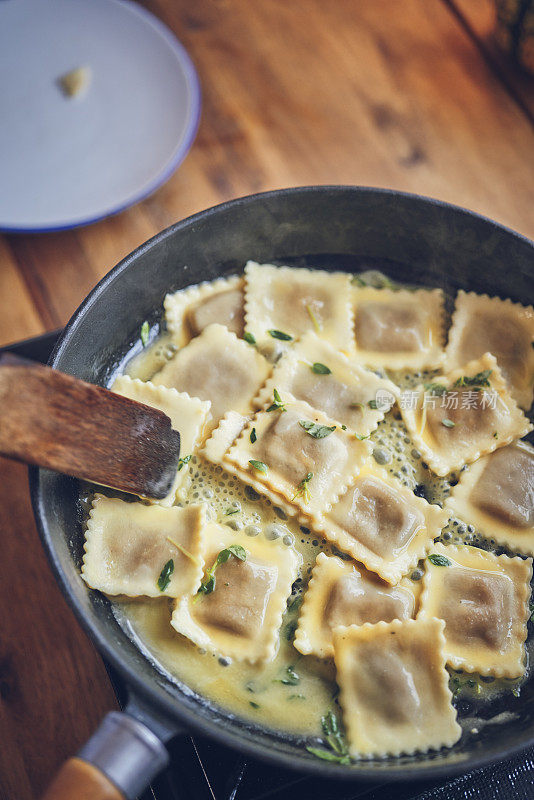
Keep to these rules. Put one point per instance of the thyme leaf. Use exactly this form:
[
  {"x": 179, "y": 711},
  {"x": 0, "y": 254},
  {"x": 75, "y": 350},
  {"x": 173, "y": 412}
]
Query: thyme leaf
[
  {"x": 439, "y": 561},
  {"x": 277, "y": 405},
  {"x": 303, "y": 490},
  {"x": 253, "y": 436},
  {"x": 284, "y": 337},
  {"x": 327, "y": 755},
  {"x": 145, "y": 331},
  {"x": 259, "y": 465},
  {"x": 208, "y": 585},
  {"x": 290, "y": 677},
  {"x": 165, "y": 575},
  {"x": 316, "y": 430},
  {"x": 478, "y": 380},
  {"x": 435, "y": 388},
  {"x": 183, "y": 461},
  {"x": 249, "y": 338},
  {"x": 448, "y": 423},
  {"x": 320, "y": 369}
]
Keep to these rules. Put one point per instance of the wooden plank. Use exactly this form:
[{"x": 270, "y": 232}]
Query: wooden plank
[
  {"x": 19, "y": 318},
  {"x": 479, "y": 19},
  {"x": 53, "y": 686},
  {"x": 298, "y": 93}
]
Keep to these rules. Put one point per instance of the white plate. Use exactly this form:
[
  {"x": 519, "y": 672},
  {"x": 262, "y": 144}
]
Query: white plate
[{"x": 70, "y": 161}]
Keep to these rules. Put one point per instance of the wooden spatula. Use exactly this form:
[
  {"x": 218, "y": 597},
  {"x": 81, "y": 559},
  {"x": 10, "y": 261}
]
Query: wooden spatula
[{"x": 53, "y": 420}]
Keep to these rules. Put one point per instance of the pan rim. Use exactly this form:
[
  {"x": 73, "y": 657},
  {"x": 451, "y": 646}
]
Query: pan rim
[{"x": 167, "y": 705}]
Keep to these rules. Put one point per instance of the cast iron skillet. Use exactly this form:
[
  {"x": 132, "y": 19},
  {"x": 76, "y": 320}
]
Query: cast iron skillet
[{"x": 412, "y": 239}]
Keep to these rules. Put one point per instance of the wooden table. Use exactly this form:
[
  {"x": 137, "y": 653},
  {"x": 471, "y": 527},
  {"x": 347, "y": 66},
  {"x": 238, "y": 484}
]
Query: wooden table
[{"x": 412, "y": 95}]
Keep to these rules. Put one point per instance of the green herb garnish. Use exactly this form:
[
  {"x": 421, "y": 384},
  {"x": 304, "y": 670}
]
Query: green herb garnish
[
  {"x": 303, "y": 490},
  {"x": 208, "y": 585},
  {"x": 327, "y": 755},
  {"x": 284, "y": 337},
  {"x": 478, "y": 380},
  {"x": 253, "y": 704},
  {"x": 356, "y": 405},
  {"x": 259, "y": 465},
  {"x": 361, "y": 438},
  {"x": 334, "y": 738},
  {"x": 372, "y": 404},
  {"x": 320, "y": 369},
  {"x": 232, "y": 511},
  {"x": 316, "y": 430},
  {"x": 253, "y": 436},
  {"x": 343, "y": 427},
  {"x": 165, "y": 575},
  {"x": 145, "y": 331},
  {"x": 495, "y": 434},
  {"x": 183, "y": 461},
  {"x": 277, "y": 405},
  {"x": 439, "y": 561},
  {"x": 448, "y": 423},
  {"x": 435, "y": 388},
  {"x": 249, "y": 338},
  {"x": 290, "y": 677}
]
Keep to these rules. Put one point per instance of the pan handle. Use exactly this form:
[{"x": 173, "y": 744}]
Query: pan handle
[{"x": 117, "y": 763}]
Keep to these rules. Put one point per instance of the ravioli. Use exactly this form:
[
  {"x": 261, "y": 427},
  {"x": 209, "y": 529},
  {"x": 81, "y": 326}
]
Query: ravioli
[
  {"x": 483, "y": 600},
  {"x": 189, "y": 311},
  {"x": 382, "y": 524},
  {"x": 314, "y": 371},
  {"x": 459, "y": 419},
  {"x": 340, "y": 593},
  {"x": 505, "y": 329},
  {"x": 217, "y": 366},
  {"x": 128, "y": 545},
  {"x": 241, "y": 617},
  {"x": 394, "y": 688},
  {"x": 496, "y": 495},
  {"x": 298, "y": 454},
  {"x": 294, "y": 301},
  {"x": 188, "y": 416},
  {"x": 399, "y": 329}
]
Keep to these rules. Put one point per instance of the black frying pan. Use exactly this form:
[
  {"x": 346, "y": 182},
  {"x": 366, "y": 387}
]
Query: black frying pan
[{"x": 412, "y": 239}]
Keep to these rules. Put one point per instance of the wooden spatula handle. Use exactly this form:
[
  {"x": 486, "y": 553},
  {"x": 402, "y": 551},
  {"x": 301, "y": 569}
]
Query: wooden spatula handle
[
  {"x": 54, "y": 420},
  {"x": 78, "y": 780}
]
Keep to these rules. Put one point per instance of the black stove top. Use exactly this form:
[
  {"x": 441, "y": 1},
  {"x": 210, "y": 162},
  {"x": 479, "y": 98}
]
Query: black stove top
[{"x": 202, "y": 770}]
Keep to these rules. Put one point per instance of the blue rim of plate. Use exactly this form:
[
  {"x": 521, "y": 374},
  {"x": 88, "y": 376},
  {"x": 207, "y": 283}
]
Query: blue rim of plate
[{"x": 193, "y": 83}]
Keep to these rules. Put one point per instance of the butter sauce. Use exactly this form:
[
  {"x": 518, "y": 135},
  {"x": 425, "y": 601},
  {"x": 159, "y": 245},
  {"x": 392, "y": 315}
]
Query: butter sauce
[{"x": 292, "y": 692}]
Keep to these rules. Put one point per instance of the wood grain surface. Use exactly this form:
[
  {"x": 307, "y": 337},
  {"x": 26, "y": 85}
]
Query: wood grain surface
[{"x": 412, "y": 95}]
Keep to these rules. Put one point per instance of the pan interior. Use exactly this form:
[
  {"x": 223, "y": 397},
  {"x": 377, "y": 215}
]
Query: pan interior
[{"x": 340, "y": 228}]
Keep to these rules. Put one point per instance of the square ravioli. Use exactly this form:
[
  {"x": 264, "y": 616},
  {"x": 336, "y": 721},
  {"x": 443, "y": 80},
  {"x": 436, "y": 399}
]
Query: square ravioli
[
  {"x": 298, "y": 454},
  {"x": 314, "y": 371},
  {"x": 394, "y": 688},
  {"x": 463, "y": 415},
  {"x": 217, "y": 366},
  {"x": 484, "y": 601},
  {"x": 496, "y": 495},
  {"x": 382, "y": 524},
  {"x": 240, "y": 618},
  {"x": 188, "y": 416},
  {"x": 294, "y": 300},
  {"x": 483, "y": 324},
  {"x": 190, "y": 310},
  {"x": 399, "y": 329},
  {"x": 341, "y": 593},
  {"x": 128, "y": 547}
]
